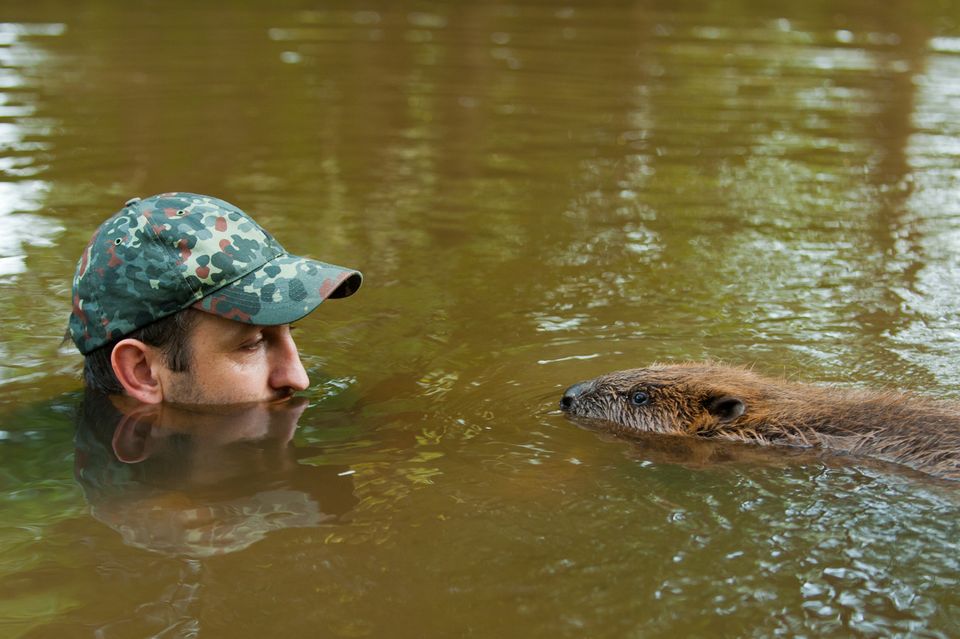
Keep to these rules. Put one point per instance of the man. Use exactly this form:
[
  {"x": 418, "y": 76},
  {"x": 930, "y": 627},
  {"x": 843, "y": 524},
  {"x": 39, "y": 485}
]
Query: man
[{"x": 184, "y": 298}]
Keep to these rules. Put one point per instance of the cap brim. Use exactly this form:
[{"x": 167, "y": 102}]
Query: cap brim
[{"x": 281, "y": 291}]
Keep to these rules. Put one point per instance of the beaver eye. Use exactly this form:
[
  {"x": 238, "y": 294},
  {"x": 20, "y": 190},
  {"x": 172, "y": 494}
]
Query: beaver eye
[{"x": 639, "y": 398}]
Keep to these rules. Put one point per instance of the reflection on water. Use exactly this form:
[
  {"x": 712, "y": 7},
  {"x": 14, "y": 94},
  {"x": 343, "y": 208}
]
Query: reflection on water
[
  {"x": 22, "y": 140},
  {"x": 22, "y": 133},
  {"x": 196, "y": 483},
  {"x": 537, "y": 194},
  {"x": 22, "y": 230}
]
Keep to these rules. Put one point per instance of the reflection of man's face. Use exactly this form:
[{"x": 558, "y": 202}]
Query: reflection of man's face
[
  {"x": 202, "y": 480},
  {"x": 208, "y": 435},
  {"x": 233, "y": 362}
]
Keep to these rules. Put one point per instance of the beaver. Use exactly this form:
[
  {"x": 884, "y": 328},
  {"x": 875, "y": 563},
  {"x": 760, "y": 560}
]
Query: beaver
[{"x": 723, "y": 402}]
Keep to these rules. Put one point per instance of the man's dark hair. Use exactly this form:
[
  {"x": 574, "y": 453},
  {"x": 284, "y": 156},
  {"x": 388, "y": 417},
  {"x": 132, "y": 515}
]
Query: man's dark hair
[{"x": 170, "y": 334}]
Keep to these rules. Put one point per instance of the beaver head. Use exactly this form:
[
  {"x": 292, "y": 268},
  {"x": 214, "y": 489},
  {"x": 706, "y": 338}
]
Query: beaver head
[{"x": 688, "y": 399}]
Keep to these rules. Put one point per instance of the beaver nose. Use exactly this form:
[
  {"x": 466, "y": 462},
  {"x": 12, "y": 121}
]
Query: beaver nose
[{"x": 571, "y": 394}]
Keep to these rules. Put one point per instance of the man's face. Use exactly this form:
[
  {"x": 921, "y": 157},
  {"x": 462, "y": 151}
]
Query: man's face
[{"x": 232, "y": 363}]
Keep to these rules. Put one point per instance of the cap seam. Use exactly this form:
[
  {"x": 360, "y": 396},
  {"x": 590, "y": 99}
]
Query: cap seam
[{"x": 170, "y": 253}]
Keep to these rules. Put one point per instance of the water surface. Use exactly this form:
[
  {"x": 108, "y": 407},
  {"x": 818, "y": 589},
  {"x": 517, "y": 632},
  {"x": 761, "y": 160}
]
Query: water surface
[{"x": 537, "y": 193}]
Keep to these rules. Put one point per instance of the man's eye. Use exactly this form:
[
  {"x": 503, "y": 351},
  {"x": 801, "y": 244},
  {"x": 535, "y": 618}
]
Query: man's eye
[
  {"x": 252, "y": 345},
  {"x": 639, "y": 398}
]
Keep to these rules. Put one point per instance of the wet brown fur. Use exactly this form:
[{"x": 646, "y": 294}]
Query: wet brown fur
[{"x": 731, "y": 403}]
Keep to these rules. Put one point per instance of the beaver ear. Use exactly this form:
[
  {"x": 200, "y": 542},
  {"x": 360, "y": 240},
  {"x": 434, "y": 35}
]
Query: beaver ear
[{"x": 726, "y": 408}]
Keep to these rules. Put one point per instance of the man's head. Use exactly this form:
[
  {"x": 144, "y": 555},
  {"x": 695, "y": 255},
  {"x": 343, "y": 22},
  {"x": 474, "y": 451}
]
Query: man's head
[{"x": 183, "y": 297}]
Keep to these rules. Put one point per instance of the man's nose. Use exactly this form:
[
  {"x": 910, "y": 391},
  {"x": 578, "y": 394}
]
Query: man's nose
[{"x": 286, "y": 369}]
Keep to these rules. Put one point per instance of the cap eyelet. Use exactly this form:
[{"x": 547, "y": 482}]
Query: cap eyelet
[
  {"x": 118, "y": 240},
  {"x": 181, "y": 212}
]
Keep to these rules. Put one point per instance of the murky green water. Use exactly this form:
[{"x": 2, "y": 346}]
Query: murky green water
[{"x": 537, "y": 193}]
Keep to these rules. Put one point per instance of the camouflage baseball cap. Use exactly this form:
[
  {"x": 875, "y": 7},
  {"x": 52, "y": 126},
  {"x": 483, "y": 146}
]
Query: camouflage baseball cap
[{"x": 168, "y": 252}]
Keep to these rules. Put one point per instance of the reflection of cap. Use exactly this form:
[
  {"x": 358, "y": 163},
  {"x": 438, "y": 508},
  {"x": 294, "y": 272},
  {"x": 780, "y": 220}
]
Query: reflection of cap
[
  {"x": 167, "y": 252},
  {"x": 173, "y": 525}
]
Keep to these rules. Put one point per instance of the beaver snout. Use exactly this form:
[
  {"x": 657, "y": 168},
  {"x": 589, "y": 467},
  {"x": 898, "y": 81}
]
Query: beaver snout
[{"x": 571, "y": 394}]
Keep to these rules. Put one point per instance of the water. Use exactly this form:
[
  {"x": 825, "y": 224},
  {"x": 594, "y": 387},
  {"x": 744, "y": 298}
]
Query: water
[{"x": 537, "y": 193}]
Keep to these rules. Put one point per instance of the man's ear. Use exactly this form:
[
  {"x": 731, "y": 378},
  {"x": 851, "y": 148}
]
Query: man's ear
[
  {"x": 726, "y": 408},
  {"x": 134, "y": 364}
]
